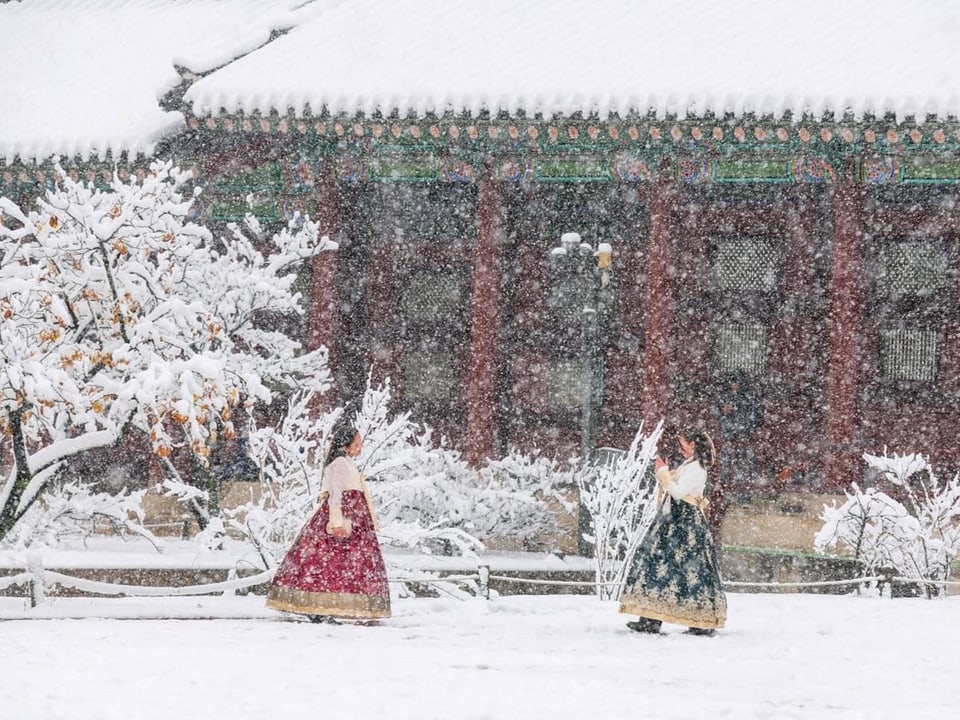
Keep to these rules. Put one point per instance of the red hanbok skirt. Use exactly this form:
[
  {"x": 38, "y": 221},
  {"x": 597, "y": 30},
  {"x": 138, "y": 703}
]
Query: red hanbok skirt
[{"x": 339, "y": 577}]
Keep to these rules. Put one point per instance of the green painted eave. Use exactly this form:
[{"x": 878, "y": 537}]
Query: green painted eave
[
  {"x": 692, "y": 136},
  {"x": 284, "y": 156}
]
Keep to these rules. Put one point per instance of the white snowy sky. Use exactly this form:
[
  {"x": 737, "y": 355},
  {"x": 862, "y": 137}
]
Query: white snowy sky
[{"x": 84, "y": 77}]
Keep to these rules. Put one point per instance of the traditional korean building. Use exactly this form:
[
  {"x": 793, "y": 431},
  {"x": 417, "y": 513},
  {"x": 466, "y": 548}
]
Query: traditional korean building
[
  {"x": 771, "y": 220},
  {"x": 816, "y": 257}
]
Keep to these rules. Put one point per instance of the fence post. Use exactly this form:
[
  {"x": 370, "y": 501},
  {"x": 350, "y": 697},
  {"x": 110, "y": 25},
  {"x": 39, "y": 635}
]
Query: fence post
[
  {"x": 231, "y": 576},
  {"x": 484, "y": 573},
  {"x": 38, "y": 590},
  {"x": 887, "y": 583}
]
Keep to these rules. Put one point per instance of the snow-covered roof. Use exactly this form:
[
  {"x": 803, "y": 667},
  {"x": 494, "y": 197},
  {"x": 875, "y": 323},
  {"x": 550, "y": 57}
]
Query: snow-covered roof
[
  {"x": 85, "y": 77},
  {"x": 603, "y": 56}
]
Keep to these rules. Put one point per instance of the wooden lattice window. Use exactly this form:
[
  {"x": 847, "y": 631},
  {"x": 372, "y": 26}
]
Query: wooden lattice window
[
  {"x": 913, "y": 268},
  {"x": 910, "y": 354},
  {"x": 747, "y": 264},
  {"x": 428, "y": 376},
  {"x": 428, "y": 297},
  {"x": 741, "y": 346},
  {"x": 565, "y": 383}
]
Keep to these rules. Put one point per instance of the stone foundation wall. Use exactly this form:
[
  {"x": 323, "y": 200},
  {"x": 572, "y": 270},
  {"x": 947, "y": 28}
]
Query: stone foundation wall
[{"x": 788, "y": 521}]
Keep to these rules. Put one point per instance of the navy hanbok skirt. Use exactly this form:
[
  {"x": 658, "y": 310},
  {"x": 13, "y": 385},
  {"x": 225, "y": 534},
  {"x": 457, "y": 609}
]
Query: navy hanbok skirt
[{"x": 675, "y": 576}]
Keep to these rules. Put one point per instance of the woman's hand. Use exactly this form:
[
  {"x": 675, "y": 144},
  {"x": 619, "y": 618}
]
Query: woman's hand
[
  {"x": 662, "y": 473},
  {"x": 340, "y": 531}
]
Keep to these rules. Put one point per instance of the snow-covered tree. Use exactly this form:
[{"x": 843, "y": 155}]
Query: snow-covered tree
[
  {"x": 917, "y": 538},
  {"x": 620, "y": 494},
  {"x": 118, "y": 315}
]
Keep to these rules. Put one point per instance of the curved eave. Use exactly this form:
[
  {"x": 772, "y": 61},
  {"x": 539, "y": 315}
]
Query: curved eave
[
  {"x": 549, "y": 107},
  {"x": 87, "y": 149}
]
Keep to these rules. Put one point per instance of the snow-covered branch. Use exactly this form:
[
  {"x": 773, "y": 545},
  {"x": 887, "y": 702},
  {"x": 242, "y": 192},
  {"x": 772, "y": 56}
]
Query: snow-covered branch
[{"x": 620, "y": 495}]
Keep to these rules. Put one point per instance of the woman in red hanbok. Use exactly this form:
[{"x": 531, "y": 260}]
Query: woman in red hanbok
[{"x": 335, "y": 568}]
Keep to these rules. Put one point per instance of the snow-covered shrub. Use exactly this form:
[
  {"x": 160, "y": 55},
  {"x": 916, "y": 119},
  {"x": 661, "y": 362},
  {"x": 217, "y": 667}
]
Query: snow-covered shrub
[
  {"x": 70, "y": 511},
  {"x": 436, "y": 502},
  {"x": 917, "y": 538},
  {"x": 429, "y": 498},
  {"x": 534, "y": 480},
  {"x": 290, "y": 458},
  {"x": 870, "y": 526},
  {"x": 426, "y": 496},
  {"x": 620, "y": 494}
]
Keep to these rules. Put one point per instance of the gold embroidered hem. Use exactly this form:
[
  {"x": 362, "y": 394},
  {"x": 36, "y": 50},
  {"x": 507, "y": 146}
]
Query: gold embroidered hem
[
  {"x": 345, "y": 605},
  {"x": 705, "y": 618}
]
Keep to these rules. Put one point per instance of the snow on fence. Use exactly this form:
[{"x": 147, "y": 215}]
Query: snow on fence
[
  {"x": 38, "y": 579},
  {"x": 880, "y": 579}
]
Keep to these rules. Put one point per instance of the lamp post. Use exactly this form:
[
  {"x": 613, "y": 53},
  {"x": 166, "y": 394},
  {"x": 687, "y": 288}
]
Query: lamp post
[{"x": 584, "y": 276}]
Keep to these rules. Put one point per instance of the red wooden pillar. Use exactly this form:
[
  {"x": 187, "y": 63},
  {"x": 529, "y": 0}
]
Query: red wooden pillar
[
  {"x": 846, "y": 336},
  {"x": 485, "y": 326},
  {"x": 323, "y": 289},
  {"x": 659, "y": 301}
]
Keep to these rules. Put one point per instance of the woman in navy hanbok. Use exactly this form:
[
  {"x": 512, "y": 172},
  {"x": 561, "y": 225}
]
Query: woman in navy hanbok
[{"x": 675, "y": 576}]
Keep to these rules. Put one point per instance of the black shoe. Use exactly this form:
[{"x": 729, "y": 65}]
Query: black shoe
[
  {"x": 645, "y": 625},
  {"x": 329, "y": 619},
  {"x": 704, "y": 632}
]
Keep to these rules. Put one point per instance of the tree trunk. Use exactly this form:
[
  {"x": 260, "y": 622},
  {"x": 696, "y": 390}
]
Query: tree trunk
[{"x": 8, "y": 513}]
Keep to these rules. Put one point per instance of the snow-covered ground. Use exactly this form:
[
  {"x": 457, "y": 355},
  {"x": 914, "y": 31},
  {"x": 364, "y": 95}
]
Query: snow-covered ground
[{"x": 556, "y": 657}]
